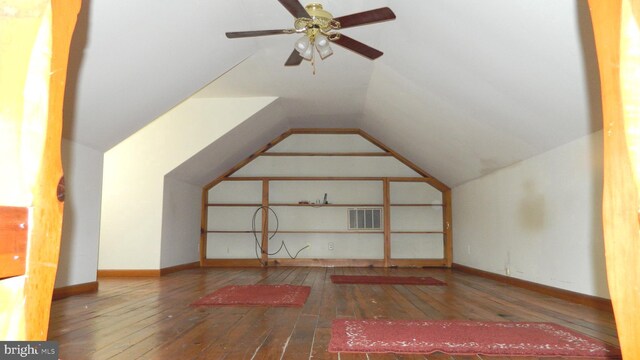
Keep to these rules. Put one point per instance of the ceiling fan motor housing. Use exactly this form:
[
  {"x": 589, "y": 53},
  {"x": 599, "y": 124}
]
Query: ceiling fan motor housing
[
  {"x": 320, "y": 20},
  {"x": 315, "y": 10}
]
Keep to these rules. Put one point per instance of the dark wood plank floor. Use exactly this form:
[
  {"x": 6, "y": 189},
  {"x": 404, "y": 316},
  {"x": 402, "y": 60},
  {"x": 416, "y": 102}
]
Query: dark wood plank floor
[{"x": 150, "y": 318}]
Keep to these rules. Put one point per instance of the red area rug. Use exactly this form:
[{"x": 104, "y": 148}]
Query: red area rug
[
  {"x": 457, "y": 337},
  {"x": 397, "y": 280},
  {"x": 257, "y": 295}
]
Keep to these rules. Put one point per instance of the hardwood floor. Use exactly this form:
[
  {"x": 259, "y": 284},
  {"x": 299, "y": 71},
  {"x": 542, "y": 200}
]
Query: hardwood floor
[{"x": 150, "y": 318}]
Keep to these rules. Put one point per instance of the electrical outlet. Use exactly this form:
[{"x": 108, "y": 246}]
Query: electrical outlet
[
  {"x": 469, "y": 249},
  {"x": 330, "y": 246}
]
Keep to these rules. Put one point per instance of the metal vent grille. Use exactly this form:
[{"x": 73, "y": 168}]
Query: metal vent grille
[{"x": 365, "y": 218}]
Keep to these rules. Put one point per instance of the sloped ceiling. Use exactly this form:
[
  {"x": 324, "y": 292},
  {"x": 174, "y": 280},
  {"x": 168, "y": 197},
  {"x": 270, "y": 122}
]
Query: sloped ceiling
[{"x": 464, "y": 88}]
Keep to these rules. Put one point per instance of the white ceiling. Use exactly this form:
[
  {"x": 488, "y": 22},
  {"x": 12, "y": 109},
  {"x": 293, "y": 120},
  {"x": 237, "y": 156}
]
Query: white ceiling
[{"x": 465, "y": 86}]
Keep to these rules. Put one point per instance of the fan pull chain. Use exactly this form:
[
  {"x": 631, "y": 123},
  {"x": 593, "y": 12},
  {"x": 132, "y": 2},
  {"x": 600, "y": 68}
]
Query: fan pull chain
[{"x": 313, "y": 64}]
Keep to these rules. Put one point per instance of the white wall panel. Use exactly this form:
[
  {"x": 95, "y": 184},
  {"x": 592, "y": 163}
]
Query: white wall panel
[
  {"x": 325, "y": 166},
  {"x": 180, "y": 223},
  {"x": 338, "y": 192},
  {"x": 310, "y": 218},
  {"x": 134, "y": 171},
  {"x": 236, "y": 192},
  {"x": 325, "y": 143},
  {"x": 416, "y": 218},
  {"x": 232, "y": 246},
  {"x": 538, "y": 220},
  {"x": 237, "y": 218},
  {"x": 350, "y": 246},
  {"x": 414, "y": 193},
  {"x": 417, "y": 246}
]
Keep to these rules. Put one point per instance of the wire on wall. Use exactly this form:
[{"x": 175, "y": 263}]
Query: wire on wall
[{"x": 259, "y": 245}]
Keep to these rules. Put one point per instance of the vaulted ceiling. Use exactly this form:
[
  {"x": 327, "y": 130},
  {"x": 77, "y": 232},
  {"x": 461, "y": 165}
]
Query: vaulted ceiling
[{"x": 464, "y": 87}]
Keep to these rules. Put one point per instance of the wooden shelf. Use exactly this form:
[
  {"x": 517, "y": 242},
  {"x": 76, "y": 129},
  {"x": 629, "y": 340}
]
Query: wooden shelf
[
  {"x": 298, "y": 232},
  {"x": 326, "y": 262},
  {"x": 417, "y": 262},
  {"x": 304, "y": 178},
  {"x": 329, "y": 232},
  {"x": 327, "y": 205},
  {"x": 326, "y": 178},
  {"x": 415, "y": 204},
  {"x": 318, "y": 205},
  {"x": 417, "y": 232},
  {"x": 326, "y": 154},
  {"x": 310, "y": 262},
  {"x": 324, "y": 232},
  {"x": 233, "y": 204}
]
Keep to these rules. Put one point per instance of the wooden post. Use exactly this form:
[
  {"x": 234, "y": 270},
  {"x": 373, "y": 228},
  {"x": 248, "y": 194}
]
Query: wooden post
[
  {"x": 265, "y": 222},
  {"x": 386, "y": 201},
  {"x": 617, "y": 38},
  {"x": 204, "y": 225},
  {"x": 35, "y": 36},
  {"x": 448, "y": 227}
]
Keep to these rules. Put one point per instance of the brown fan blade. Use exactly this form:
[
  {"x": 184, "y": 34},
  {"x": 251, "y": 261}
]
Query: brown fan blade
[
  {"x": 366, "y": 17},
  {"x": 242, "y": 34},
  {"x": 294, "y": 59},
  {"x": 295, "y": 8},
  {"x": 357, "y": 46}
]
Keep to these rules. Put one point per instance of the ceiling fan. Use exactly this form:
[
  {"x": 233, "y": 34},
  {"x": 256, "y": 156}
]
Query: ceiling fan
[{"x": 320, "y": 28}]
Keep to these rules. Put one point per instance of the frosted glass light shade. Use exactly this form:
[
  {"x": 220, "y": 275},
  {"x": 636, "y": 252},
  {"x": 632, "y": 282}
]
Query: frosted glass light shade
[
  {"x": 308, "y": 53},
  {"x": 324, "y": 52},
  {"x": 322, "y": 44},
  {"x": 304, "y": 47},
  {"x": 321, "y": 41},
  {"x": 302, "y": 43}
]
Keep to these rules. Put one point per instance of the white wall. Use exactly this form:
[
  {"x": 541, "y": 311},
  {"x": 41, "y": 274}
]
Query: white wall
[
  {"x": 538, "y": 220},
  {"x": 326, "y": 166},
  {"x": 134, "y": 170},
  {"x": 325, "y": 143},
  {"x": 81, "y": 222},
  {"x": 180, "y": 223}
]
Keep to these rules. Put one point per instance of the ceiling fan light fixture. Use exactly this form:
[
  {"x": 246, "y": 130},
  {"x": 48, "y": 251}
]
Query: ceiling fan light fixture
[
  {"x": 323, "y": 47},
  {"x": 307, "y": 54},
  {"x": 304, "y": 47},
  {"x": 302, "y": 44},
  {"x": 321, "y": 41},
  {"x": 325, "y": 52}
]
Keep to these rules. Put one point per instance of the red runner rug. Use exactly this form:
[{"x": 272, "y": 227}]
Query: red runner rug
[
  {"x": 457, "y": 337},
  {"x": 397, "y": 280},
  {"x": 257, "y": 295}
]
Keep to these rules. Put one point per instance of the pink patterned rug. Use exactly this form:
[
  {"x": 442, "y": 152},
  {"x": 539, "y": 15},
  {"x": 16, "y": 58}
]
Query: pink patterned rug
[
  {"x": 397, "y": 280},
  {"x": 456, "y": 337},
  {"x": 257, "y": 295}
]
